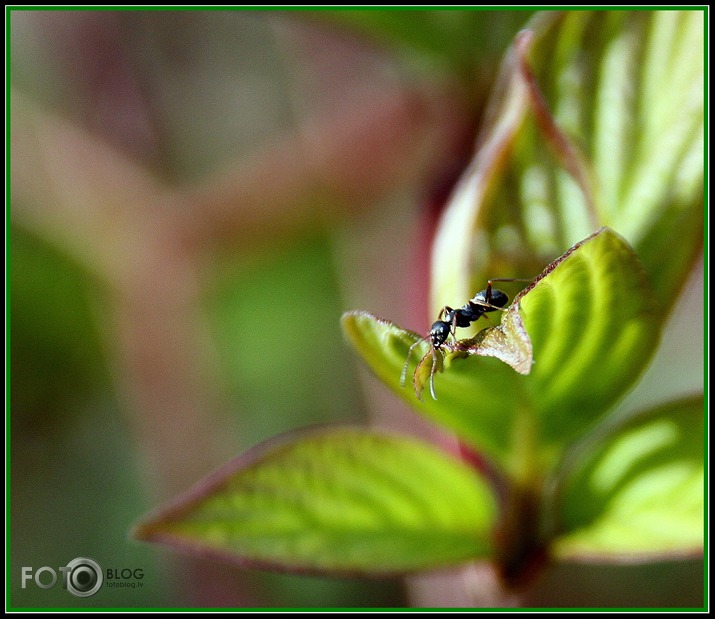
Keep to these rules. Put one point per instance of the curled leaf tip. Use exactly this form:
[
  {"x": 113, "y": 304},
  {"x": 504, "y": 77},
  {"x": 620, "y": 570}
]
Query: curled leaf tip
[{"x": 509, "y": 342}]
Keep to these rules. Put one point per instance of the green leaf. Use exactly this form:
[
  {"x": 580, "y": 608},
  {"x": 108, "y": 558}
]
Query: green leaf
[
  {"x": 509, "y": 342},
  {"x": 476, "y": 397},
  {"x": 431, "y": 363},
  {"x": 640, "y": 492},
  {"x": 593, "y": 324},
  {"x": 598, "y": 121},
  {"x": 340, "y": 500}
]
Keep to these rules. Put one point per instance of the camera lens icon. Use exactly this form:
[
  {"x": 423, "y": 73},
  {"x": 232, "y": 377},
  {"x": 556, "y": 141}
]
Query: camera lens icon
[{"x": 84, "y": 577}]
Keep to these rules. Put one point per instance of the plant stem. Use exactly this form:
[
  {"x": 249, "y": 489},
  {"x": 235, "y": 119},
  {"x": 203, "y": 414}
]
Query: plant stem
[{"x": 521, "y": 549}]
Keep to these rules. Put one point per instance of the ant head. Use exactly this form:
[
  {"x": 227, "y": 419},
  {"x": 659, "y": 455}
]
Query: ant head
[
  {"x": 439, "y": 333},
  {"x": 497, "y": 298}
]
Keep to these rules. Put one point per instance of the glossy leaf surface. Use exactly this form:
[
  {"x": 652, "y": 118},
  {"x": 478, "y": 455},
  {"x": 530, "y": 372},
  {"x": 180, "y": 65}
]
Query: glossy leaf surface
[
  {"x": 593, "y": 324},
  {"x": 339, "y": 500},
  {"x": 598, "y": 121},
  {"x": 509, "y": 342},
  {"x": 641, "y": 492}
]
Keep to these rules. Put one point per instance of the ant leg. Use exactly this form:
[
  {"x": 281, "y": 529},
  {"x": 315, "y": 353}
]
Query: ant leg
[
  {"x": 431, "y": 373},
  {"x": 443, "y": 312},
  {"x": 488, "y": 294},
  {"x": 487, "y": 299},
  {"x": 510, "y": 279},
  {"x": 476, "y": 301},
  {"x": 502, "y": 279},
  {"x": 453, "y": 330},
  {"x": 403, "y": 376}
]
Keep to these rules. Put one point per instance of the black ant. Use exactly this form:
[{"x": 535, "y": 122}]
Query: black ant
[{"x": 487, "y": 300}]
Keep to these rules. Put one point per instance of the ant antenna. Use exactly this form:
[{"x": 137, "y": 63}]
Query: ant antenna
[
  {"x": 403, "y": 376},
  {"x": 433, "y": 368}
]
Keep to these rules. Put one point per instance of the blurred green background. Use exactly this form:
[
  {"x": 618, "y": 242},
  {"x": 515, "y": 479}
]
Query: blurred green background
[{"x": 196, "y": 198}]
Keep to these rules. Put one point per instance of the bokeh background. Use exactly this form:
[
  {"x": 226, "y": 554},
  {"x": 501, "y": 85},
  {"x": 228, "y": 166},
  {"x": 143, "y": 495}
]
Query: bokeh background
[{"x": 196, "y": 196}]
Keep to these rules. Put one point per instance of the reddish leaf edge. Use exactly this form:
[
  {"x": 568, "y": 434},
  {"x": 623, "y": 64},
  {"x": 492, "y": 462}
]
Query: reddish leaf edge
[
  {"x": 554, "y": 263},
  {"x": 145, "y": 530}
]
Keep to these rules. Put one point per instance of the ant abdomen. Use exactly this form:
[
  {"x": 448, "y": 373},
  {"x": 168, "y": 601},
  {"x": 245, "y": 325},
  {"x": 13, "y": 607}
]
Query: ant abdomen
[{"x": 490, "y": 299}]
